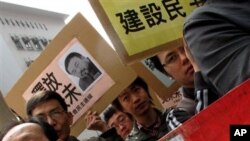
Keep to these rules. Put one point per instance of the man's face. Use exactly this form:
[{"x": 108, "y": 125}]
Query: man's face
[
  {"x": 52, "y": 112},
  {"x": 177, "y": 65},
  {"x": 26, "y": 132},
  {"x": 134, "y": 100},
  {"x": 79, "y": 67},
  {"x": 122, "y": 123}
]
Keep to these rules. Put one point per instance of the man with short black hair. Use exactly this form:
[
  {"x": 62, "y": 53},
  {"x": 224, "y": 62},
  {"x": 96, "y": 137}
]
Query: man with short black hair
[
  {"x": 174, "y": 64},
  {"x": 114, "y": 119},
  {"x": 150, "y": 123},
  {"x": 51, "y": 107},
  {"x": 122, "y": 122}
]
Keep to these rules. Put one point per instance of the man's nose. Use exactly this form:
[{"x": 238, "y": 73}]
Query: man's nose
[
  {"x": 50, "y": 121},
  {"x": 121, "y": 127},
  {"x": 183, "y": 58},
  {"x": 135, "y": 98}
]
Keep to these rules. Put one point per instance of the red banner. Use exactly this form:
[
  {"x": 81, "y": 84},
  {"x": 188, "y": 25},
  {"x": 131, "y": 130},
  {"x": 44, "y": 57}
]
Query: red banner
[{"x": 213, "y": 123}]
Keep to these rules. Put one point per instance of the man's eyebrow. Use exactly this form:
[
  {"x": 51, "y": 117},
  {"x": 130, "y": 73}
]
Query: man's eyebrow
[
  {"x": 124, "y": 91},
  {"x": 120, "y": 116},
  {"x": 123, "y": 94},
  {"x": 53, "y": 109},
  {"x": 169, "y": 54}
]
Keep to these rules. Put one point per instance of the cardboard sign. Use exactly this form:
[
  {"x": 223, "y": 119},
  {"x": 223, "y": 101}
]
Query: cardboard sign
[
  {"x": 139, "y": 28},
  {"x": 79, "y": 97},
  {"x": 49, "y": 72},
  {"x": 214, "y": 122}
]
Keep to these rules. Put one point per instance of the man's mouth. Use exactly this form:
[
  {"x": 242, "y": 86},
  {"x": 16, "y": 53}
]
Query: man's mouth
[
  {"x": 140, "y": 106},
  {"x": 190, "y": 70}
]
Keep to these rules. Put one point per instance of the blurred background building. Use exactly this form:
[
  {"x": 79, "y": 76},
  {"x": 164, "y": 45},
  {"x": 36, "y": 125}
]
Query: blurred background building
[
  {"x": 27, "y": 27},
  {"x": 24, "y": 34}
]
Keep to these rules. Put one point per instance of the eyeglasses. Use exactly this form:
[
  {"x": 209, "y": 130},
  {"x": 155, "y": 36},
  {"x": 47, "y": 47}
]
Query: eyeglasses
[
  {"x": 121, "y": 120},
  {"x": 54, "y": 114},
  {"x": 173, "y": 56}
]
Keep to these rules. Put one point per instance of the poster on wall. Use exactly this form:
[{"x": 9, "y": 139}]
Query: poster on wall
[
  {"x": 140, "y": 28},
  {"x": 76, "y": 75}
]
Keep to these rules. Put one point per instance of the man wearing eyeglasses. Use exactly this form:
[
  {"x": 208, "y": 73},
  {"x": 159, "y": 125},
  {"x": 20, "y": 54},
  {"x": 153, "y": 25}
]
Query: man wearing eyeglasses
[
  {"x": 122, "y": 122},
  {"x": 174, "y": 63},
  {"x": 51, "y": 107},
  {"x": 114, "y": 119},
  {"x": 150, "y": 123}
]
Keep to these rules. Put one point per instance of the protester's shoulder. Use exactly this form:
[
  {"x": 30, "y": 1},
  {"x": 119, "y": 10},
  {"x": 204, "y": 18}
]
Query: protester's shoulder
[
  {"x": 111, "y": 138},
  {"x": 110, "y": 135},
  {"x": 134, "y": 132},
  {"x": 174, "y": 110},
  {"x": 201, "y": 12},
  {"x": 94, "y": 139},
  {"x": 136, "y": 135},
  {"x": 72, "y": 138},
  {"x": 178, "y": 113},
  {"x": 214, "y": 8}
]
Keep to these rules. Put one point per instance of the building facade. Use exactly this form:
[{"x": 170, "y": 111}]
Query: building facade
[{"x": 24, "y": 34}]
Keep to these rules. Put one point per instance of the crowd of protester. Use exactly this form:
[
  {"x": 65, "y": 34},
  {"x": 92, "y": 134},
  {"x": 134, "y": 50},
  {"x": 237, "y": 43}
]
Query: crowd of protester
[{"x": 213, "y": 60}]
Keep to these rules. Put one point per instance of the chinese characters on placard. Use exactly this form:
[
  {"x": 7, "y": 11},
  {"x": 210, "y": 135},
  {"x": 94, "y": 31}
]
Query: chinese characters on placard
[
  {"x": 49, "y": 82},
  {"x": 60, "y": 76},
  {"x": 152, "y": 14}
]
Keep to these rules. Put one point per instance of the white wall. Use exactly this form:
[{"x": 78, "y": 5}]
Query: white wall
[
  {"x": 9, "y": 69},
  {"x": 12, "y": 59}
]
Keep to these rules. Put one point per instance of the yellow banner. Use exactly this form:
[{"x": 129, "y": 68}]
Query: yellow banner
[{"x": 145, "y": 24}]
